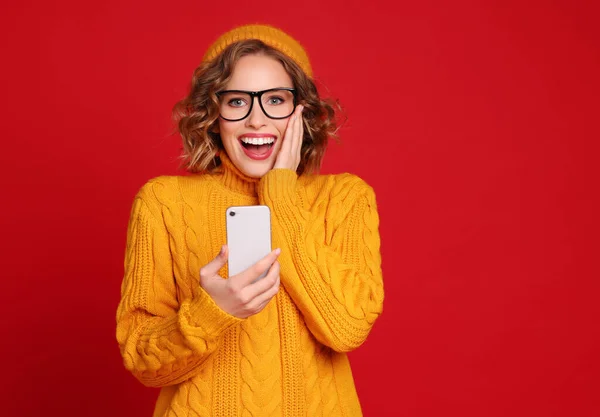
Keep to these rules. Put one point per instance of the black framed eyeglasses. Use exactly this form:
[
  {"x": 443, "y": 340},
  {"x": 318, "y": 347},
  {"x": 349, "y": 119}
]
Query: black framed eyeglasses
[{"x": 276, "y": 103}]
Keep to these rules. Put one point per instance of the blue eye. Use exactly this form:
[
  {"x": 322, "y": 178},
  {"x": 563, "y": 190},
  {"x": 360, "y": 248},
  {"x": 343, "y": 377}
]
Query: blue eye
[
  {"x": 275, "y": 101},
  {"x": 236, "y": 102}
]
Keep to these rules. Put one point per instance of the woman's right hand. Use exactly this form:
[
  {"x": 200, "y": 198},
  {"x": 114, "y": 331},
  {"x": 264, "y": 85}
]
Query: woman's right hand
[{"x": 240, "y": 295}]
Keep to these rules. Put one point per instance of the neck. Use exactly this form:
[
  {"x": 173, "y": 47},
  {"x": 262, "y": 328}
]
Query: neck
[{"x": 235, "y": 179}]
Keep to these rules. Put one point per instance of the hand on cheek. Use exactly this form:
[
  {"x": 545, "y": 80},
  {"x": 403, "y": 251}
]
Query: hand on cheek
[{"x": 289, "y": 154}]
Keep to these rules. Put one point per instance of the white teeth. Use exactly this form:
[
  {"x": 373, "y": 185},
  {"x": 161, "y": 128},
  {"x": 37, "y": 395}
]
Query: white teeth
[{"x": 258, "y": 141}]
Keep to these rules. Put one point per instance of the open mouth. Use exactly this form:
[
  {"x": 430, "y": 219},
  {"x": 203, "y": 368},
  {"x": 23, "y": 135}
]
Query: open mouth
[{"x": 257, "y": 147}]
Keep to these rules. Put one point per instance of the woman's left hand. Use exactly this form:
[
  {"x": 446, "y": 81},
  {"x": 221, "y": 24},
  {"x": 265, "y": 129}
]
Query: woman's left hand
[{"x": 289, "y": 154}]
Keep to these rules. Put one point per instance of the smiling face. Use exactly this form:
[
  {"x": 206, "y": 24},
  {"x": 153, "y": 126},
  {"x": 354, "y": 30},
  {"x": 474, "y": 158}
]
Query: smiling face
[{"x": 253, "y": 143}]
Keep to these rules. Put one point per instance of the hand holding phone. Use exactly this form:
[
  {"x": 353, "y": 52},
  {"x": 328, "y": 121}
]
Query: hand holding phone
[
  {"x": 242, "y": 295},
  {"x": 249, "y": 288}
]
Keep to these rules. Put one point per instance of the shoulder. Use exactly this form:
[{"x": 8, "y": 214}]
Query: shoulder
[
  {"x": 159, "y": 188},
  {"x": 169, "y": 191},
  {"x": 158, "y": 192},
  {"x": 344, "y": 187}
]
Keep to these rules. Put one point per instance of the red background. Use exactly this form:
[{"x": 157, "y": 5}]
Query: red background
[{"x": 475, "y": 122}]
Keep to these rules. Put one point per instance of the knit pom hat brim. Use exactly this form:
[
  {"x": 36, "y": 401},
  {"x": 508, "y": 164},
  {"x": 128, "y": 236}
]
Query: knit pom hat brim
[{"x": 270, "y": 35}]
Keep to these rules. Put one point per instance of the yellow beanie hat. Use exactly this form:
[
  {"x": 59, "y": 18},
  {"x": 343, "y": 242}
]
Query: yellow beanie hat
[{"x": 270, "y": 35}]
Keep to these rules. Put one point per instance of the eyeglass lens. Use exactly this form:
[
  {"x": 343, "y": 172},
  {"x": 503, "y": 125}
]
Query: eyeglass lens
[{"x": 275, "y": 104}]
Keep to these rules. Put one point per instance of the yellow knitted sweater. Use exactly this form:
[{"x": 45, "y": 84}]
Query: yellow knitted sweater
[{"x": 287, "y": 360}]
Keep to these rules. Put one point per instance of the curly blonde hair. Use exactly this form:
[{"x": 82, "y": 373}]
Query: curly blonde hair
[{"x": 196, "y": 116}]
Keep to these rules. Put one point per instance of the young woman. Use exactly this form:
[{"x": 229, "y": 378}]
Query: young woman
[{"x": 254, "y": 131}]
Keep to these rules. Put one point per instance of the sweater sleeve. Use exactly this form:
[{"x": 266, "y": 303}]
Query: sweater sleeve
[
  {"x": 162, "y": 341},
  {"x": 330, "y": 260}
]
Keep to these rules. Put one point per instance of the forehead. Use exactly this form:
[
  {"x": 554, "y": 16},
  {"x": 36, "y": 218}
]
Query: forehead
[{"x": 258, "y": 72}]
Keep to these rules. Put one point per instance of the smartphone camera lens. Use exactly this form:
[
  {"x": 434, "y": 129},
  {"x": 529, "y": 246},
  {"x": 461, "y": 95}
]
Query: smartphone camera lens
[{"x": 232, "y": 213}]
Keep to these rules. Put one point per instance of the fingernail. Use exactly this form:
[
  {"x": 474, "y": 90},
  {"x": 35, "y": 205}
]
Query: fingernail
[
  {"x": 277, "y": 251},
  {"x": 222, "y": 250}
]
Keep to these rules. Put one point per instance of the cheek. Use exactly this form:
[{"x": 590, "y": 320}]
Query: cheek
[
  {"x": 281, "y": 126},
  {"x": 227, "y": 131}
]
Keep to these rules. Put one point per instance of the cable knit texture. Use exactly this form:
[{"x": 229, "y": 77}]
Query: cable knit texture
[{"x": 287, "y": 360}]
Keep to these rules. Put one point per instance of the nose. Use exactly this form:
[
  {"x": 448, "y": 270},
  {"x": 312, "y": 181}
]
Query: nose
[{"x": 256, "y": 119}]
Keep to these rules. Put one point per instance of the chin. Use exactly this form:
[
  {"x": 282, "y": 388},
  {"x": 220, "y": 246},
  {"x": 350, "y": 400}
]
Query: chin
[{"x": 255, "y": 170}]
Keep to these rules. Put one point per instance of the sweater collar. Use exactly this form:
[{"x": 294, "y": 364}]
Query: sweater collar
[{"x": 235, "y": 179}]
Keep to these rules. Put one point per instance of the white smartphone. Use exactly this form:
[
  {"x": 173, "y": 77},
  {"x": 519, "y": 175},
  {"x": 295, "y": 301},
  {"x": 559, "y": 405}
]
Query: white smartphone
[{"x": 248, "y": 236}]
